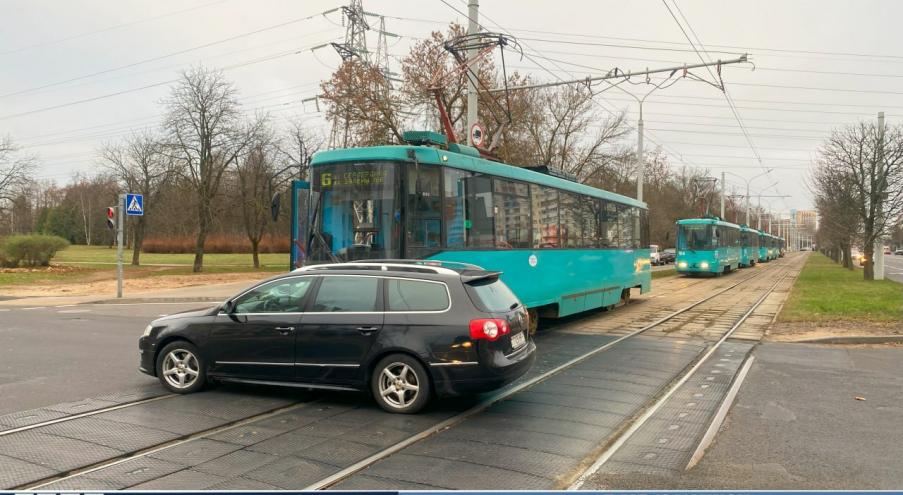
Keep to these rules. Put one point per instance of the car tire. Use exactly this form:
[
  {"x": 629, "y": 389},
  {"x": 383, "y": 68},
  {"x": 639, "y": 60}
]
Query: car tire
[
  {"x": 180, "y": 367},
  {"x": 393, "y": 377}
]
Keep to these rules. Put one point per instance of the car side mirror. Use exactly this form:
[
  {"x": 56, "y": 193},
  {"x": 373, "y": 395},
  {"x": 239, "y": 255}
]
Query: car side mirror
[{"x": 229, "y": 307}]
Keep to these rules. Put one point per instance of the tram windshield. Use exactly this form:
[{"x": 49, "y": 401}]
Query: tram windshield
[
  {"x": 694, "y": 237},
  {"x": 357, "y": 214}
]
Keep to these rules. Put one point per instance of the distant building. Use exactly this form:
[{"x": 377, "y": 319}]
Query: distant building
[{"x": 807, "y": 221}]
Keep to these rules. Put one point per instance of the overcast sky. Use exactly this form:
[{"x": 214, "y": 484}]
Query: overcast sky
[{"x": 79, "y": 73}]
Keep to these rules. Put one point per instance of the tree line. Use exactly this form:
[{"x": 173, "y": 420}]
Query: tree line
[{"x": 858, "y": 187}]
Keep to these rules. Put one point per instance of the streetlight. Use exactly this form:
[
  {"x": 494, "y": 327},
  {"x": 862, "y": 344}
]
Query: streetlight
[{"x": 748, "y": 181}]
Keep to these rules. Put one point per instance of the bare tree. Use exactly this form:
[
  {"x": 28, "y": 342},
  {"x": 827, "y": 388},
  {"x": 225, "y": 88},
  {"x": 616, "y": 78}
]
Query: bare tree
[
  {"x": 15, "y": 171},
  {"x": 871, "y": 158},
  {"x": 141, "y": 166},
  {"x": 206, "y": 134},
  {"x": 297, "y": 148},
  {"x": 560, "y": 127},
  {"x": 265, "y": 170}
]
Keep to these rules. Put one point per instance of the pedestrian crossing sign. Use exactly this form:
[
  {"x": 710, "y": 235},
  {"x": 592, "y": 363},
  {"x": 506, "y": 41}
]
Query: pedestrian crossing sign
[{"x": 134, "y": 204}]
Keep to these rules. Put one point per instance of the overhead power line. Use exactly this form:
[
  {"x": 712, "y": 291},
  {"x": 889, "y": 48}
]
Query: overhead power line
[
  {"x": 108, "y": 28},
  {"x": 162, "y": 57}
]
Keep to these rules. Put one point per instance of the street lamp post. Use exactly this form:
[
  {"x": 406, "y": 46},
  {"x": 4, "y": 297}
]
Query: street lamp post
[{"x": 748, "y": 182}]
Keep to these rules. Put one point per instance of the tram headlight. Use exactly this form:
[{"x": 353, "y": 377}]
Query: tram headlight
[
  {"x": 704, "y": 265},
  {"x": 682, "y": 264}
]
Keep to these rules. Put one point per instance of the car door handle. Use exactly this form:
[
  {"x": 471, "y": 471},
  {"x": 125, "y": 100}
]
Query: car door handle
[
  {"x": 367, "y": 330},
  {"x": 285, "y": 330}
]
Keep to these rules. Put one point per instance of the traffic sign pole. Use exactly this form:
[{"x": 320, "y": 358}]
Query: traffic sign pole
[{"x": 120, "y": 228}]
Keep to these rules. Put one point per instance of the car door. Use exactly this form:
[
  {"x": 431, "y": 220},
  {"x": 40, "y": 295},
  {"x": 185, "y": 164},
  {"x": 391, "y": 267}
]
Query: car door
[
  {"x": 257, "y": 338},
  {"x": 343, "y": 320}
]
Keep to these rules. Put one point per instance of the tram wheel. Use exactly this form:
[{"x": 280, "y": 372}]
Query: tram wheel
[
  {"x": 533, "y": 316},
  {"x": 625, "y": 297}
]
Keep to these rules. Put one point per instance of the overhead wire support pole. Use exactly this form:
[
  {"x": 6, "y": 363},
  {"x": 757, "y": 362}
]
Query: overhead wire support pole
[
  {"x": 473, "y": 114},
  {"x": 618, "y": 74}
]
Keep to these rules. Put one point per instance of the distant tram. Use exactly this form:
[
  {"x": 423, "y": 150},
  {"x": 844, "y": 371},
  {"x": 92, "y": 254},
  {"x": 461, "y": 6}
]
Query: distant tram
[
  {"x": 562, "y": 247},
  {"x": 749, "y": 246},
  {"x": 770, "y": 247},
  {"x": 707, "y": 245}
]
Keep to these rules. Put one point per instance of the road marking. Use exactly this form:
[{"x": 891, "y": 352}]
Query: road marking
[
  {"x": 4, "y": 310},
  {"x": 65, "y": 306},
  {"x": 29, "y": 309},
  {"x": 74, "y": 311}
]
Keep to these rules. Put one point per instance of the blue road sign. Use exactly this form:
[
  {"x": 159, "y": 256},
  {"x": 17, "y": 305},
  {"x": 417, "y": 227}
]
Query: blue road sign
[{"x": 134, "y": 205}]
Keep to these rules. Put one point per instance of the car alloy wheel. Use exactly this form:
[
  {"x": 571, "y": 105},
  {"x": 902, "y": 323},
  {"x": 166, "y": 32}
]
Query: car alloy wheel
[
  {"x": 180, "y": 368},
  {"x": 400, "y": 384}
]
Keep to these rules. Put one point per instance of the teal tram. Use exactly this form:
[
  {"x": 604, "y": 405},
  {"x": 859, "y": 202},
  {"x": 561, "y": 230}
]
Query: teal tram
[
  {"x": 770, "y": 247},
  {"x": 707, "y": 245},
  {"x": 749, "y": 246},
  {"x": 563, "y": 247}
]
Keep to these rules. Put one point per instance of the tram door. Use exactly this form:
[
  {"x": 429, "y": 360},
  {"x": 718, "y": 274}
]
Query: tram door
[{"x": 301, "y": 218}]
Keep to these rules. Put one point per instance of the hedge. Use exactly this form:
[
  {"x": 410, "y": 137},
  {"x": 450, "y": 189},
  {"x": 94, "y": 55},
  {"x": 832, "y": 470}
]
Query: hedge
[{"x": 30, "y": 250}]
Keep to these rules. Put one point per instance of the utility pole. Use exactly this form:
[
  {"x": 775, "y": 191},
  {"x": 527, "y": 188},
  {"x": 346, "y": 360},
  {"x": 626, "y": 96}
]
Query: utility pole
[
  {"x": 722, "y": 195},
  {"x": 878, "y": 269},
  {"x": 640, "y": 162},
  {"x": 473, "y": 26},
  {"x": 120, "y": 229}
]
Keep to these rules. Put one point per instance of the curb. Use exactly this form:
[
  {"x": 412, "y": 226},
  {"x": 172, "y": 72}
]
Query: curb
[
  {"x": 877, "y": 339},
  {"x": 158, "y": 300}
]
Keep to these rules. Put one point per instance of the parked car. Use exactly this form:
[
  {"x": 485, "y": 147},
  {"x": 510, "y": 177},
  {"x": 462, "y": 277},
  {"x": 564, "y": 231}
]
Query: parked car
[
  {"x": 654, "y": 255},
  {"x": 401, "y": 330},
  {"x": 898, "y": 252},
  {"x": 668, "y": 256}
]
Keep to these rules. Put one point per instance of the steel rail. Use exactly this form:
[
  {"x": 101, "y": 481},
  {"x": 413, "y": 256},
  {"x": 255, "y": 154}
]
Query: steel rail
[{"x": 508, "y": 392}]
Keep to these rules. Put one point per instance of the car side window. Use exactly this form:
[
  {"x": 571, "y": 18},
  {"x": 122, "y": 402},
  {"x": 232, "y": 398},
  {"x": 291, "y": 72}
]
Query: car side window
[
  {"x": 346, "y": 294},
  {"x": 279, "y": 296},
  {"x": 416, "y": 295}
]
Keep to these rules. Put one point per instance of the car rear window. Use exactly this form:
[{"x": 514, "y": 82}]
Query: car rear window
[
  {"x": 416, "y": 295},
  {"x": 492, "y": 295}
]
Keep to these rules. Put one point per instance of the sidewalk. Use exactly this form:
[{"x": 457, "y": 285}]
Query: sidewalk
[{"x": 199, "y": 293}]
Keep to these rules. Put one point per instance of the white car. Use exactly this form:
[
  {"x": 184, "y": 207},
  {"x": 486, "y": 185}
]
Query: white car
[{"x": 655, "y": 256}]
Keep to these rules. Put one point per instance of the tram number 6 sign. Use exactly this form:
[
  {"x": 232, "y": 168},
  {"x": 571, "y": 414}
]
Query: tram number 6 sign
[{"x": 477, "y": 135}]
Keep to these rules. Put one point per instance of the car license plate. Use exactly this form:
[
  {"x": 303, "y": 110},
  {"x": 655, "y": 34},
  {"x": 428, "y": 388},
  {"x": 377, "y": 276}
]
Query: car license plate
[{"x": 518, "y": 340}]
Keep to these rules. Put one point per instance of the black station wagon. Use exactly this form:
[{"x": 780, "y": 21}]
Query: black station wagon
[{"x": 403, "y": 330}]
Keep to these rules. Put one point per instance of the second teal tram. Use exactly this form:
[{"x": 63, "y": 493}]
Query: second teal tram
[
  {"x": 707, "y": 245},
  {"x": 770, "y": 247},
  {"x": 749, "y": 246}
]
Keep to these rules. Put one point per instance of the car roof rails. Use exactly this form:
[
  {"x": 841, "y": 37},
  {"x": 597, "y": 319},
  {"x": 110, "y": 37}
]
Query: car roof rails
[
  {"x": 380, "y": 265},
  {"x": 451, "y": 265}
]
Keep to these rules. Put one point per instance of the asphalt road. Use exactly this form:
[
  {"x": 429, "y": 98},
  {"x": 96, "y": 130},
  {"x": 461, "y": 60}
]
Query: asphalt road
[
  {"x": 893, "y": 267},
  {"x": 797, "y": 424},
  {"x": 50, "y": 355}
]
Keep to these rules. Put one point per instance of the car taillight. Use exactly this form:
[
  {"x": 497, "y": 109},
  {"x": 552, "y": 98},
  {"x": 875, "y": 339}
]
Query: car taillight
[{"x": 488, "y": 328}]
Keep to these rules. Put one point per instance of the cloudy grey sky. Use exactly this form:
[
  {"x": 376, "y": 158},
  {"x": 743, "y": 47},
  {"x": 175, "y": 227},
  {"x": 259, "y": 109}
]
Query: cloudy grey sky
[{"x": 78, "y": 73}]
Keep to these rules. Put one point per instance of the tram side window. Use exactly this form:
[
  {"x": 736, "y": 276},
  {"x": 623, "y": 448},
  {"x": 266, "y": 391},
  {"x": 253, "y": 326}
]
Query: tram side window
[
  {"x": 424, "y": 211},
  {"x": 628, "y": 221},
  {"x": 453, "y": 207},
  {"x": 545, "y": 217},
  {"x": 480, "y": 213},
  {"x": 608, "y": 225},
  {"x": 644, "y": 228},
  {"x": 570, "y": 222},
  {"x": 588, "y": 212},
  {"x": 512, "y": 214}
]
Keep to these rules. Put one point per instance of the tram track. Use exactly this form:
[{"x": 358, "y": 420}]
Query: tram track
[{"x": 445, "y": 424}]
